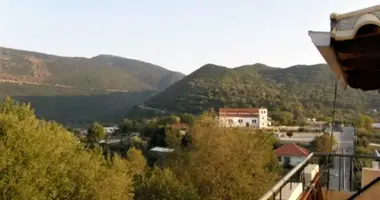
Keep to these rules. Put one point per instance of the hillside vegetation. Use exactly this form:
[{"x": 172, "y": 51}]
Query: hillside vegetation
[
  {"x": 74, "y": 74},
  {"x": 301, "y": 90},
  {"x": 80, "y": 90}
]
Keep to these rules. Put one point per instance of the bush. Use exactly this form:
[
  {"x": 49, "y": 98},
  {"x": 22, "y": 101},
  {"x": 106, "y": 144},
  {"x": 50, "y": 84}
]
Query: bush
[
  {"x": 363, "y": 142},
  {"x": 289, "y": 133}
]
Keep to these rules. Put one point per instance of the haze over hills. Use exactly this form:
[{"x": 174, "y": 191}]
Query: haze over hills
[
  {"x": 303, "y": 90},
  {"x": 76, "y": 88}
]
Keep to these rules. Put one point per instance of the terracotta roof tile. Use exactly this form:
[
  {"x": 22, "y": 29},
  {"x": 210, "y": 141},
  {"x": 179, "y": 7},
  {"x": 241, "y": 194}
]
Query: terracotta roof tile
[
  {"x": 179, "y": 125},
  {"x": 239, "y": 112},
  {"x": 291, "y": 150}
]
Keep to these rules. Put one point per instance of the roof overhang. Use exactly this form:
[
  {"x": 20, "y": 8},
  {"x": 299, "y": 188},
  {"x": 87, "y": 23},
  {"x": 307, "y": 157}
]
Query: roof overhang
[
  {"x": 352, "y": 48},
  {"x": 322, "y": 41}
]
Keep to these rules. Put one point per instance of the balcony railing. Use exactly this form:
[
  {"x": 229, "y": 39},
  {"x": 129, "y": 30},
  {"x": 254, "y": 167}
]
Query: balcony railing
[{"x": 338, "y": 172}]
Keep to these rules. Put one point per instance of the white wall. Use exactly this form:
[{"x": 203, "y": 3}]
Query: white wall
[
  {"x": 376, "y": 125},
  {"x": 234, "y": 121},
  {"x": 110, "y": 130},
  {"x": 257, "y": 122},
  {"x": 263, "y": 118},
  {"x": 294, "y": 160}
]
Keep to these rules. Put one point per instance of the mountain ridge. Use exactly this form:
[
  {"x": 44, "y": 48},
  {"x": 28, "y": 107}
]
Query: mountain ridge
[
  {"x": 123, "y": 74},
  {"x": 79, "y": 90},
  {"x": 305, "y": 90}
]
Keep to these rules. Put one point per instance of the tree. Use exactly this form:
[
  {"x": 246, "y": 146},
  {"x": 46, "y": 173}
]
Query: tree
[
  {"x": 363, "y": 142},
  {"x": 241, "y": 156},
  {"x": 160, "y": 184},
  {"x": 149, "y": 127},
  {"x": 137, "y": 143},
  {"x": 169, "y": 120},
  {"x": 365, "y": 122},
  {"x": 289, "y": 133},
  {"x": 284, "y": 118},
  {"x": 41, "y": 160},
  {"x": 95, "y": 133},
  {"x": 187, "y": 119},
  {"x": 137, "y": 161},
  {"x": 158, "y": 138},
  {"x": 323, "y": 143},
  {"x": 126, "y": 126}
]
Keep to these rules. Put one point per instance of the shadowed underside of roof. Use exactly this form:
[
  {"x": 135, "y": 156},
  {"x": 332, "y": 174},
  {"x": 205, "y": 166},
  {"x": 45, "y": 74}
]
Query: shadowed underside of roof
[{"x": 353, "y": 46}]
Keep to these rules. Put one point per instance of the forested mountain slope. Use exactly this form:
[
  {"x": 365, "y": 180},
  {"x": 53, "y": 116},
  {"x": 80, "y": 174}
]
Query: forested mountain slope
[{"x": 303, "y": 90}]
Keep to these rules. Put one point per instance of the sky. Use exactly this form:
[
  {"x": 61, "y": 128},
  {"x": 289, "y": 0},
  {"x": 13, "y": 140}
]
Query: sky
[{"x": 180, "y": 35}]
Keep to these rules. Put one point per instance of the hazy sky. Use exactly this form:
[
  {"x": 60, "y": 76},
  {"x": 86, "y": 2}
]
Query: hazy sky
[{"x": 180, "y": 35}]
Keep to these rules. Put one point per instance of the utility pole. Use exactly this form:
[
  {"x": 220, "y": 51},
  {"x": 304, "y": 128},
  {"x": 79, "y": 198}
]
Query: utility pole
[{"x": 344, "y": 170}]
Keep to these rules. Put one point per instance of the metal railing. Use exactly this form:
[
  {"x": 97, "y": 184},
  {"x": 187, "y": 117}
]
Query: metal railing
[{"x": 340, "y": 172}]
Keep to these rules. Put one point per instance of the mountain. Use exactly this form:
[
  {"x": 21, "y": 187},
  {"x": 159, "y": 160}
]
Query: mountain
[
  {"x": 53, "y": 84},
  {"x": 306, "y": 90},
  {"x": 74, "y": 74}
]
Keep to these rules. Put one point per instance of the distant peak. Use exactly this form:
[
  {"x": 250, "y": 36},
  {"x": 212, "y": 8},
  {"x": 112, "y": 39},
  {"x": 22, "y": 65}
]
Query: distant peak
[
  {"x": 106, "y": 56},
  {"x": 256, "y": 65},
  {"x": 210, "y": 65}
]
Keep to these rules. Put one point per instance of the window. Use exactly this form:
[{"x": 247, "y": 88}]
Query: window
[
  {"x": 279, "y": 158},
  {"x": 240, "y": 121},
  {"x": 253, "y": 121}
]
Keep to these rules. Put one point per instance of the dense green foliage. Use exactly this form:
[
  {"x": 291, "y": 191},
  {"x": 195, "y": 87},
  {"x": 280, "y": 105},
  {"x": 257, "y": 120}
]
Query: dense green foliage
[
  {"x": 298, "y": 91},
  {"x": 224, "y": 163},
  {"x": 43, "y": 160},
  {"x": 324, "y": 143},
  {"x": 95, "y": 133},
  {"x": 365, "y": 122},
  {"x": 163, "y": 184}
]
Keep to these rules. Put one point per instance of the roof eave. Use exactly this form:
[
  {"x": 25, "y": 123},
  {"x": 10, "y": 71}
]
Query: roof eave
[{"x": 322, "y": 40}]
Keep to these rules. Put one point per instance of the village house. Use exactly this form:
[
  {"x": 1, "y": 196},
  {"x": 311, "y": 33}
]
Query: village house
[
  {"x": 110, "y": 130},
  {"x": 244, "y": 117},
  {"x": 290, "y": 155}
]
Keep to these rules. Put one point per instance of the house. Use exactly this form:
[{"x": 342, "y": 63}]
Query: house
[
  {"x": 243, "y": 117},
  {"x": 161, "y": 150},
  {"x": 182, "y": 127},
  {"x": 270, "y": 121},
  {"x": 110, "y": 130},
  {"x": 376, "y": 125},
  {"x": 157, "y": 156},
  {"x": 290, "y": 155}
]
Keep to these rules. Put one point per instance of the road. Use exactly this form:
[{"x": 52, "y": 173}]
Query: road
[
  {"x": 303, "y": 138},
  {"x": 340, "y": 173}
]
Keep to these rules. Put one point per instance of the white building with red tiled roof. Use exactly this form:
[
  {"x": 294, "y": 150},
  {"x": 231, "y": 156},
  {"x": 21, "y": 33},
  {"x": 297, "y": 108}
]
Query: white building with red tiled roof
[
  {"x": 291, "y": 154},
  {"x": 244, "y": 117}
]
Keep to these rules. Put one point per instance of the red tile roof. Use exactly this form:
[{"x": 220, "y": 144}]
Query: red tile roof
[
  {"x": 239, "y": 112},
  {"x": 179, "y": 125},
  {"x": 291, "y": 150}
]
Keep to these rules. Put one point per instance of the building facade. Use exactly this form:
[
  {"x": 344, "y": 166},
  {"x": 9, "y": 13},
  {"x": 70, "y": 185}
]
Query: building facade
[
  {"x": 290, "y": 155},
  {"x": 243, "y": 117},
  {"x": 110, "y": 130}
]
